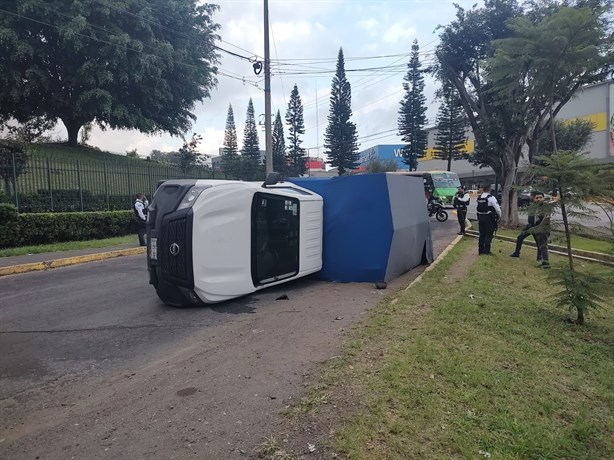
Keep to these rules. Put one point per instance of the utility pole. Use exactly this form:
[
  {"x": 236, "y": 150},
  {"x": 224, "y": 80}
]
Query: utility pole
[{"x": 268, "y": 136}]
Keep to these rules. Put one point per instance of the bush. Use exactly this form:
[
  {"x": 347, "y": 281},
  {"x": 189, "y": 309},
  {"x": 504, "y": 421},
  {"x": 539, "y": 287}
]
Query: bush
[
  {"x": 44, "y": 228},
  {"x": 68, "y": 200},
  {"x": 9, "y": 225}
]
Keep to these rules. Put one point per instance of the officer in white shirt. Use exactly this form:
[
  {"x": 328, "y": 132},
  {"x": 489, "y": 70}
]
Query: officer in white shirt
[
  {"x": 140, "y": 217},
  {"x": 461, "y": 201},
  {"x": 489, "y": 214}
]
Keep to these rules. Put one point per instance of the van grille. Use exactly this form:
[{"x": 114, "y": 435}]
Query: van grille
[{"x": 174, "y": 231}]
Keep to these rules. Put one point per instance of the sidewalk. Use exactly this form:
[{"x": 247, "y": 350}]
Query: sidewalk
[{"x": 33, "y": 262}]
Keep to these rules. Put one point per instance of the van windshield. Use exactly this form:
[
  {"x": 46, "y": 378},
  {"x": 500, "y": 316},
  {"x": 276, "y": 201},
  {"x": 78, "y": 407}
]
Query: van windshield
[{"x": 446, "y": 181}]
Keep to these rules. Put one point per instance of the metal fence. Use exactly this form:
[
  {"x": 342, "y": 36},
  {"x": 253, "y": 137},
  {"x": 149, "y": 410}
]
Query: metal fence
[{"x": 35, "y": 183}]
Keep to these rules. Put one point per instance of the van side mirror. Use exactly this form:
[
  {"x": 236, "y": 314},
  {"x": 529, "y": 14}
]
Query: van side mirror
[{"x": 271, "y": 179}]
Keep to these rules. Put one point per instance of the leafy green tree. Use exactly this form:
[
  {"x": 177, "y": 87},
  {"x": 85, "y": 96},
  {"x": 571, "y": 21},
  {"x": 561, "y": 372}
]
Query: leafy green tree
[
  {"x": 230, "y": 152},
  {"x": 412, "y": 114},
  {"x": 379, "y": 166},
  {"x": 251, "y": 146},
  {"x": 514, "y": 70},
  {"x": 280, "y": 160},
  {"x": 341, "y": 137},
  {"x": 574, "y": 175},
  {"x": 126, "y": 65},
  {"x": 571, "y": 135},
  {"x": 189, "y": 156},
  {"x": 30, "y": 130},
  {"x": 296, "y": 126},
  {"x": 13, "y": 163},
  {"x": 451, "y": 122}
]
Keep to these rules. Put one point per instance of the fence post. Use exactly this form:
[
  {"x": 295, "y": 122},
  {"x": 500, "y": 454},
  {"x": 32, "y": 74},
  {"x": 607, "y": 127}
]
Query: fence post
[
  {"x": 49, "y": 183},
  {"x": 15, "y": 183},
  {"x": 151, "y": 191},
  {"x": 79, "y": 181},
  {"x": 130, "y": 191},
  {"x": 106, "y": 186}
]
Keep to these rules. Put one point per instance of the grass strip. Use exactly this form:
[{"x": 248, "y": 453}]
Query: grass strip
[
  {"x": 474, "y": 362},
  {"x": 577, "y": 241},
  {"x": 68, "y": 246}
]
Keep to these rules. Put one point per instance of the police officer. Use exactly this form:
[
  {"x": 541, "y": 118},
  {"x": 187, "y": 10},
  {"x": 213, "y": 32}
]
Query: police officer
[
  {"x": 461, "y": 201},
  {"x": 140, "y": 217},
  {"x": 489, "y": 214}
]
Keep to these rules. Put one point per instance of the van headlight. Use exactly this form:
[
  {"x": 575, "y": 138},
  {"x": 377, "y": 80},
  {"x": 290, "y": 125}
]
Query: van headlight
[{"x": 190, "y": 198}]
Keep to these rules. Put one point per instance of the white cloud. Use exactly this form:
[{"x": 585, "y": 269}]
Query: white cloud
[
  {"x": 399, "y": 32},
  {"x": 371, "y": 26}
]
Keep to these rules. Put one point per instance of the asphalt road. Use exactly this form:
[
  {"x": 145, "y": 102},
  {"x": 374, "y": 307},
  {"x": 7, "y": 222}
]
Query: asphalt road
[{"x": 73, "y": 338}]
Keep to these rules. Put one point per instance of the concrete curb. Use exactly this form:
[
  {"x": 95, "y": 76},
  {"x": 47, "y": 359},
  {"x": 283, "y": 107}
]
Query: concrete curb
[{"x": 47, "y": 264}]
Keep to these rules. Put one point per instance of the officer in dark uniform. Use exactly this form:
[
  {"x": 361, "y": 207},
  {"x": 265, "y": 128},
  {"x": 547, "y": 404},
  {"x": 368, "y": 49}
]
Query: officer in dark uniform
[
  {"x": 489, "y": 214},
  {"x": 461, "y": 201},
  {"x": 140, "y": 217}
]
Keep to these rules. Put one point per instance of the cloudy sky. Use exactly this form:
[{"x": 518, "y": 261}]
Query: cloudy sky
[{"x": 305, "y": 37}]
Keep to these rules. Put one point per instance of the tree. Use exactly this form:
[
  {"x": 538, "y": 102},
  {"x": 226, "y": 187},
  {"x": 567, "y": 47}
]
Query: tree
[
  {"x": 230, "y": 152},
  {"x": 379, "y": 166},
  {"x": 341, "y": 137},
  {"x": 126, "y": 67},
  {"x": 188, "y": 155},
  {"x": 296, "y": 126},
  {"x": 251, "y": 145},
  {"x": 280, "y": 160},
  {"x": 132, "y": 153},
  {"x": 514, "y": 71},
  {"x": 412, "y": 115},
  {"x": 574, "y": 175},
  {"x": 31, "y": 130},
  {"x": 451, "y": 122},
  {"x": 571, "y": 135},
  {"x": 13, "y": 163}
]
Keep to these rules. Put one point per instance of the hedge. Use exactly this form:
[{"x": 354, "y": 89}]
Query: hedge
[{"x": 43, "y": 228}]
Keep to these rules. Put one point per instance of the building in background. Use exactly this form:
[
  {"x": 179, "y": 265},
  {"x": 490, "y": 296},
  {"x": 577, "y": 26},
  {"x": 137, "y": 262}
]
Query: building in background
[{"x": 593, "y": 102}]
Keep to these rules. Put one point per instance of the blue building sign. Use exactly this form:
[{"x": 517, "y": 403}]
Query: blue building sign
[{"x": 383, "y": 153}]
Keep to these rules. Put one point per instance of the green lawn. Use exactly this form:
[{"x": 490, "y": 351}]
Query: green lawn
[
  {"x": 127, "y": 239},
  {"x": 474, "y": 362},
  {"x": 577, "y": 242}
]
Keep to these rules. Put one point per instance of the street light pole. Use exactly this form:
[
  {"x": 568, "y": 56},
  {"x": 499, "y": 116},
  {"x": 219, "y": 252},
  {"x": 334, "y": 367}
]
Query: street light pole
[{"x": 267, "y": 94}]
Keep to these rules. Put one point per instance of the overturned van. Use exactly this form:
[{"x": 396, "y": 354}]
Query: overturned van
[{"x": 214, "y": 240}]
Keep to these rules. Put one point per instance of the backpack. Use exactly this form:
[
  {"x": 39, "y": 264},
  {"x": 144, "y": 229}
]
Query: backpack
[{"x": 483, "y": 207}]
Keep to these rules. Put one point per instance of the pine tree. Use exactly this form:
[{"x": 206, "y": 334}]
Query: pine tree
[
  {"x": 251, "y": 146},
  {"x": 341, "y": 137},
  {"x": 412, "y": 115},
  {"x": 451, "y": 122},
  {"x": 280, "y": 160},
  {"x": 296, "y": 126},
  {"x": 230, "y": 155}
]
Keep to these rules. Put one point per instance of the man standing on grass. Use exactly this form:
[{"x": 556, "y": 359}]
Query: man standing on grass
[
  {"x": 140, "y": 217},
  {"x": 526, "y": 231},
  {"x": 489, "y": 214}
]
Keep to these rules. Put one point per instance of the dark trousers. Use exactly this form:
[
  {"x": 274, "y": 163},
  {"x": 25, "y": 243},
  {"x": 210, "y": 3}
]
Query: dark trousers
[
  {"x": 520, "y": 239},
  {"x": 462, "y": 217},
  {"x": 486, "y": 225},
  {"x": 141, "y": 230},
  {"x": 542, "y": 246}
]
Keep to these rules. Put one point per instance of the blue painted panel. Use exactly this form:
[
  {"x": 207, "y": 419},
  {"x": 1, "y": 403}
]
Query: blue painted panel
[
  {"x": 383, "y": 152},
  {"x": 358, "y": 226}
]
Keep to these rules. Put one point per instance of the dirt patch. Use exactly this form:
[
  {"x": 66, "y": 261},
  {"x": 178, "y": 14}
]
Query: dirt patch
[{"x": 458, "y": 271}]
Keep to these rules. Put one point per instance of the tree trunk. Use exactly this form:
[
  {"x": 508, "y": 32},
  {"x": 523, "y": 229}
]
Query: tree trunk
[
  {"x": 580, "y": 319},
  {"x": 509, "y": 206},
  {"x": 72, "y": 127}
]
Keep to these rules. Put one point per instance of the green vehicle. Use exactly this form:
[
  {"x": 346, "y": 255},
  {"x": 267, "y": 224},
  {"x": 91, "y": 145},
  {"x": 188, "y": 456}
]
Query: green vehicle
[{"x": 440, "y": 184}]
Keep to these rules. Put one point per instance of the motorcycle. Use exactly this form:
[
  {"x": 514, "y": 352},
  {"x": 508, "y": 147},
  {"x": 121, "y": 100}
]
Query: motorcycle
[{"x": 435, "y": 208}]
